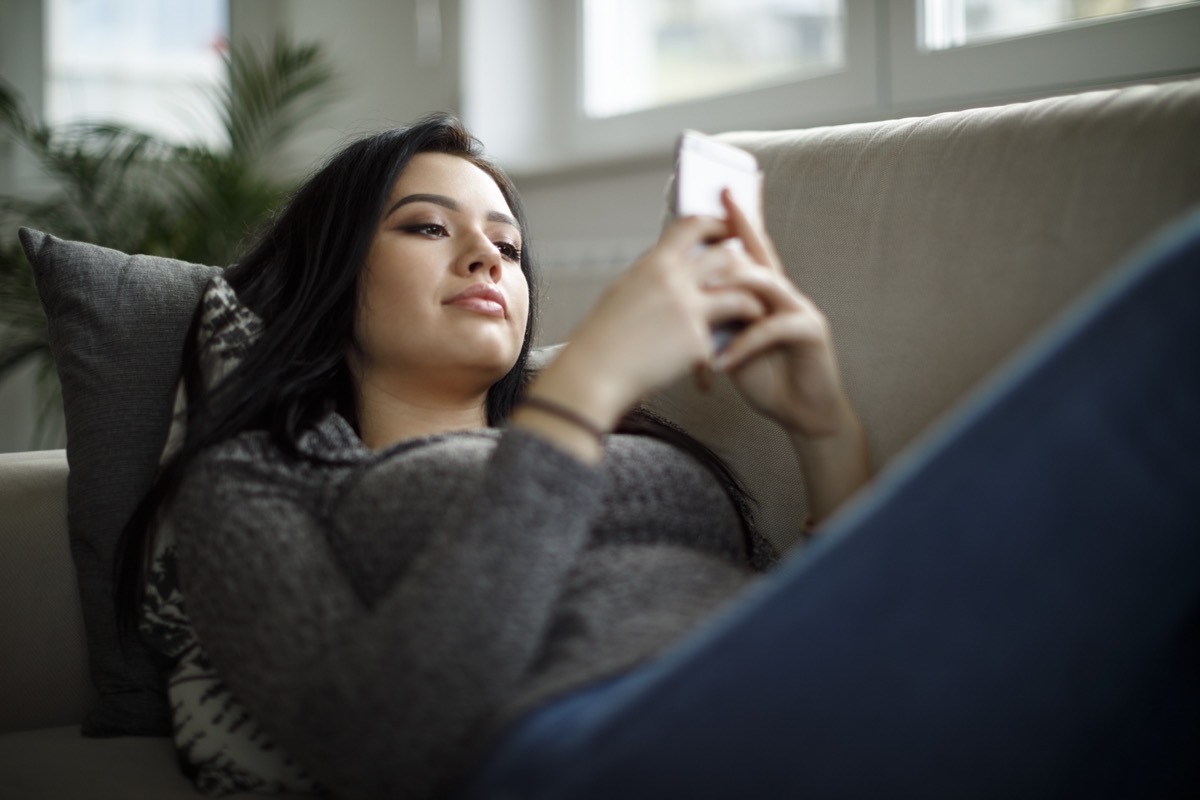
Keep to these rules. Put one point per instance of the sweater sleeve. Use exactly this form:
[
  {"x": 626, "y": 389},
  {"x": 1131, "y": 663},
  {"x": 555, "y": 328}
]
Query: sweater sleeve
[{"x": 379, "y": 699}]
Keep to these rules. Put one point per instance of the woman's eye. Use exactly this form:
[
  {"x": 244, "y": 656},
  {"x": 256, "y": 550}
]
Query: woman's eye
[
  {"x": 427, "y": 229},
  {"x": 509, "y": 250}
]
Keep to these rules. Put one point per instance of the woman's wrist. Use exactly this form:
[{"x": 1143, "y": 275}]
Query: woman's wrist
[
  {"x": 579, "y": 380},
  {"x": 559, "y": 431},
  {"x": 570, "y": 405},
  {"x": 834, "y": 465},
  {"x": 564, "y": 413}
]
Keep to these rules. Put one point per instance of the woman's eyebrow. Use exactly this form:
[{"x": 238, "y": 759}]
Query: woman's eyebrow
[{"x": 450, "y": 203}]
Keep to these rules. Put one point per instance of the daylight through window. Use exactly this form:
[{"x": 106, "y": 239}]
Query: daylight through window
[
  {"x": 151, "y": 64},
  {"x": 644, "y": 53}
]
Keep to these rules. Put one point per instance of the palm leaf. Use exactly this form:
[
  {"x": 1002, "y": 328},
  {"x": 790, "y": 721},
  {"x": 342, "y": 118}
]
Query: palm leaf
[{"x": 268, "y": 97}]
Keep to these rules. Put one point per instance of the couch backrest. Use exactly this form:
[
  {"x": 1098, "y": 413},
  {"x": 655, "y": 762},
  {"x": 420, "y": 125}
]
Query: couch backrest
[
  {"x": 43, "y": 654},
  {"x": 938, "y": 245}
]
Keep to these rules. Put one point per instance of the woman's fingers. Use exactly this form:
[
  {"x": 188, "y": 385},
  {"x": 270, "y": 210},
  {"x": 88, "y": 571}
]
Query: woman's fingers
[
  {"x": 653, "y": 323},
  {"x": 733, "y": 305},
  {"x": 758, "y": 245},
  {"x": 787, "y": 317},
  {"x": 687, "y": 233},
  {"x": 775, "y": 290},
  {"x": 767, "y": 334}
]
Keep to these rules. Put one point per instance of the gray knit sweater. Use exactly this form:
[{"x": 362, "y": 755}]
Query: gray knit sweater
[{"x": 383, "y": 614}]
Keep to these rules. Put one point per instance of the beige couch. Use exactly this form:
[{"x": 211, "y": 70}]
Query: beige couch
[{"x": 936, "y": 246}]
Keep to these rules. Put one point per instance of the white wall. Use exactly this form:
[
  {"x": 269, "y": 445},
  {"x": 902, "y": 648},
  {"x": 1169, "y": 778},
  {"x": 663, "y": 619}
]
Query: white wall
[{"x": 587, "y": 225}]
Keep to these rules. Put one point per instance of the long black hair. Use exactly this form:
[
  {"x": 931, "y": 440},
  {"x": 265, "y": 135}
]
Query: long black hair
[{"x": 302, "y": 279}]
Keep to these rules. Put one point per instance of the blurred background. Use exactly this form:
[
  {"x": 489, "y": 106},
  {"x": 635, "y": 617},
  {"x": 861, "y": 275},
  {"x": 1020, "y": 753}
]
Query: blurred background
[{"x": 581, "y": 100}]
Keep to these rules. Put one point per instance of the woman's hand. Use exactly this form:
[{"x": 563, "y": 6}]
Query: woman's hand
[
  {"x": 651, "y": 326},
  {"x": 784, "y": 364}
]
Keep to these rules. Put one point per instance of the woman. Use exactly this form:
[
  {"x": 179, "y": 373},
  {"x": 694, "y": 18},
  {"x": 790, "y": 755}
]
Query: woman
[{"x": 412, "y": 603}]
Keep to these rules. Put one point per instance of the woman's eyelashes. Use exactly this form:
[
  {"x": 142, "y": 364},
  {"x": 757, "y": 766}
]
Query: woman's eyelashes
[
  {"x": 430, "y": 229},
  {"x": 511, "y": 251}
]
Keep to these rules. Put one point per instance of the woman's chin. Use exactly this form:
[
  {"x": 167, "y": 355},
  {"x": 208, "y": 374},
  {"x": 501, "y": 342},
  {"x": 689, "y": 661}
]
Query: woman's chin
[
  {"x": 490, "y": 353},
  {"x": 492, "y": 364}
]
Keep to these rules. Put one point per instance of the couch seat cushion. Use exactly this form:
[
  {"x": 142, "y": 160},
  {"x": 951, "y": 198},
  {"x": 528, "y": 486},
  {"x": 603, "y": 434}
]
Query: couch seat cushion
[{"x": 54, "y": 763}]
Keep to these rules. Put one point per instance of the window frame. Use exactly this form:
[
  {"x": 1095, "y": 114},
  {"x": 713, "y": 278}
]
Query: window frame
[
  {"x": 827, "y": 95},
  {"x": 531, "y": 112},
  {"x": 1143, "y": 45}
]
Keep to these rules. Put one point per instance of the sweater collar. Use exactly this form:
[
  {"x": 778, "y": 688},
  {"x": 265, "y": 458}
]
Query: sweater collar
[{"x": 333, "y": 440}]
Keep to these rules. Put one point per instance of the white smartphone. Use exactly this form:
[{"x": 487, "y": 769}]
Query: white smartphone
[{"x": 703, "y": 167}]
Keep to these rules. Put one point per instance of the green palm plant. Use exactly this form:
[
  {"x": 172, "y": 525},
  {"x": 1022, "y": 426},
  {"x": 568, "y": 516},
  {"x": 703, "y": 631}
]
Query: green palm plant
[{"x": 132, "y": 191}]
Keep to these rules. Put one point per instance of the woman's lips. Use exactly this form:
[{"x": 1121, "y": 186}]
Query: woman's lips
[{"x": 482, "y": 299}]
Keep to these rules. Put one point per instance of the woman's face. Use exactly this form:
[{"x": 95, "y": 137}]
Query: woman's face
[{"x": 442, "y": 297}]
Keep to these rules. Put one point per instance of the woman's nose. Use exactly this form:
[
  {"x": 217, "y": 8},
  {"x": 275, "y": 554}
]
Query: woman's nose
[{"x": 487, "y": 259}]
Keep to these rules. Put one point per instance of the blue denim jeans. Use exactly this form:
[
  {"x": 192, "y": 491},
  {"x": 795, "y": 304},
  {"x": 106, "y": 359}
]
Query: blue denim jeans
[{"x": 1013, "y": 610}]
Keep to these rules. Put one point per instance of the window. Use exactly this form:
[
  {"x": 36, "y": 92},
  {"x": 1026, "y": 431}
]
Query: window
[
  {"x": 643, "y": 53},
  {"x": 996, "y": 50},
  {"x": 955, "y": 23},
  {"x": 151, "y": 64},
  {"x": 550, "y": 84}
]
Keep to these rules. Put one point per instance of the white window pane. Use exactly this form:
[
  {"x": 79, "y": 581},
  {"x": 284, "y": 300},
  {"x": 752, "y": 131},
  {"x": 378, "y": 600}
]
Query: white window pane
[
  {"x": 151, "y": 64},
  {"x": 954, "y": 23},
  {"x": 644, "y": 53}
]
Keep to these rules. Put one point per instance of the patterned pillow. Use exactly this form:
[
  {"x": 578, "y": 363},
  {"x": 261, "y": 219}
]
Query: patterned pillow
[
  {"x": 224, "y": 333},
  {"x": 220, "y": 746}
]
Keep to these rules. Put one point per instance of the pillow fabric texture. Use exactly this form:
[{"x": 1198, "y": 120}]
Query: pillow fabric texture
[{"x": 117, "y": 325}]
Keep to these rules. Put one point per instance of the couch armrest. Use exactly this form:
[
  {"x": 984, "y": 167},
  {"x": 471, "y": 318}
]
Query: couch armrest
[{"x": 43, "y": 671}]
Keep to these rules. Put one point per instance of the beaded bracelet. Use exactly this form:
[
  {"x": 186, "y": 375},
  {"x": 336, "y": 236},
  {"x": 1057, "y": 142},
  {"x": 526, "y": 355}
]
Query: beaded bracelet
[{"x": 566, "y": 414}]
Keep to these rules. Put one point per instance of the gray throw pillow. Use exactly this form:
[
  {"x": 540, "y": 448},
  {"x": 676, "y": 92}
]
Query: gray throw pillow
[{"x": 117, "y": 326}]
